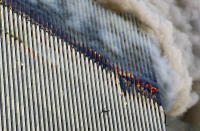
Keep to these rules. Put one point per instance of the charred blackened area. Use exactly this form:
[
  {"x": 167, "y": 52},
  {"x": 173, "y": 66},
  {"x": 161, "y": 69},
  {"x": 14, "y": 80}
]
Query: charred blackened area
[{"x": 133, "y": 86}]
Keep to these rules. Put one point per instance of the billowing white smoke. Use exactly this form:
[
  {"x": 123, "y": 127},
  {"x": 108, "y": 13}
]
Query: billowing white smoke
[{"x": 176, "y": 27}]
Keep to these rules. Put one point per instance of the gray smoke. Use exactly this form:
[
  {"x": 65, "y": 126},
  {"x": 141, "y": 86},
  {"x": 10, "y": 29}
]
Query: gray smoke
[
  {"x": 175, "y": 25},
  {"x": 83, "y": 18},
  {"x": 175, "y": 30}
]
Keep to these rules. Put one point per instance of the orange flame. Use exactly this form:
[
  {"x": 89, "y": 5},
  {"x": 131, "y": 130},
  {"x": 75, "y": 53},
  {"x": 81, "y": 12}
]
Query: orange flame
[
  {"x": 99, "y": 56},
  {"x": 153, "y": 89},
  {"x": 95, "y": 54},
  {"x": 129, "y": 74},
  {"x": 138, "y": 82},
  {"x": 143, "y": 86}
]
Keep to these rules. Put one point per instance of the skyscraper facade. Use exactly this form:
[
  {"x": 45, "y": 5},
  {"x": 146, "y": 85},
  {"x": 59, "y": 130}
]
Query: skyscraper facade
[{"x": 82, "y": 67}]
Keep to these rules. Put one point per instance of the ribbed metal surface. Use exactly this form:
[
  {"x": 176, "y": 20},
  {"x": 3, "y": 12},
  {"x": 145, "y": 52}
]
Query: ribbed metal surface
[
  {"x": 48, "y": 85},
  {"x": 116, "y": 36}
]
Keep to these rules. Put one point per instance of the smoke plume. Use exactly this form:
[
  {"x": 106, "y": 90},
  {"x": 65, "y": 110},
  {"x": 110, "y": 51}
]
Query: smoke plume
[{"x": 175, "y": 29}]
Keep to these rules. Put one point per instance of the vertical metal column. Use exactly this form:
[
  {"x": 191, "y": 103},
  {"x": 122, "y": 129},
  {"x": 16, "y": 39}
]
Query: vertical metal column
[{"x": 45, "y": 84}]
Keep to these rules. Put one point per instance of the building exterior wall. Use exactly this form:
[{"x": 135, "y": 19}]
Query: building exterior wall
[{"x": 47, "y": 84}]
